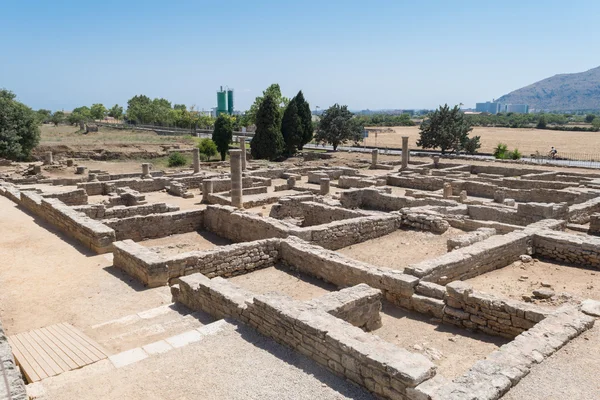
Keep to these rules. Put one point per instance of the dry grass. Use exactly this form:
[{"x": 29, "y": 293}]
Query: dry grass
[
  {"x": 528, "y": 141},
  {"x": 70, "y": 135}
]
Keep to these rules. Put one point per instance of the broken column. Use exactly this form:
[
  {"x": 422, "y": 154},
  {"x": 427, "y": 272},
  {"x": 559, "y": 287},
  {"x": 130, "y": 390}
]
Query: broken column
[
  {"x": 69, "y": 162},
  {"x": 463, "y": 196},
  {"x": 291, "y": 182},
  {"x": 80, "y": 170},
  {"x": 196, "y": 154},
  {"x": 48, "y": 158},
  {"x": 324, "y": 186},
  {"x": 235, "y": 161},
  {"x": 207, "y": 189},
  {"x": 436, "y": 161},
  {"x": 243, "y": 149},
  {"x": 447, "y": 190},
  {"x": 92, "y": 178},
  {"x": 146, "y": 171},
  {"x": 404, "y": 152},
  {"x": 374, "y": 154},
  {"x": 499, "y": 196}
]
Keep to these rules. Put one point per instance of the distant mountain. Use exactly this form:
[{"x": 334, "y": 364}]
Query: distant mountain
[{"x": 564, "y": 92}]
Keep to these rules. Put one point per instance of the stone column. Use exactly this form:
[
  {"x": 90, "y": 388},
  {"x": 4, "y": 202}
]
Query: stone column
[
  {"x": 447, "y": 190},
  {"x": 436, "y": 161},
  {"x": 404, "y": 152},
  {"x": 235, "y": 160},
  {"x": 69, "y": 162},
  {"x": 324, "y": 186},
  {"x": 48, "y": 158},
  {"x": 374, "y": 154},
  {"x": 499, "y": 196},
  {"x": 207, "y": 188},
  {"x": 92, "y": 178},
  {"x": 463, "y": 196},
  {"x": 196, "y": 154},
  {"x": 146, "y": 171},
  {"x": 243, "y": 149},
  {"x": 80, "y": 170},
  {"x": 37, "y": 169},
  {"x": 291, "y": 182}
]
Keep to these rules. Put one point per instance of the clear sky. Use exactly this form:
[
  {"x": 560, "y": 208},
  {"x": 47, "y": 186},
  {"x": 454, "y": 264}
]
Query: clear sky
[{"x": 366, "y": 54}]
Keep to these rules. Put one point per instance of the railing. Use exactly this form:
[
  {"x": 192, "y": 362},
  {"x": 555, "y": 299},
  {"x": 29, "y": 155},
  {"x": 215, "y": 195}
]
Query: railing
[{"x": 589, "y": 160}]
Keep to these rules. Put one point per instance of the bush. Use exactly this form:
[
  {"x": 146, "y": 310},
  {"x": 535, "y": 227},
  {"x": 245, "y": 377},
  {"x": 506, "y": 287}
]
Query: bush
[
  {"x": 542, "y": 123},
  {"x": 500, "y": 151},
  {"x": 515, "y": 154},
  {"x": 471, "y": 145},
  {"x": 207, "y": 148},
  {"x": 19, "y": 130},
  {"x": 176, "y": 160}
]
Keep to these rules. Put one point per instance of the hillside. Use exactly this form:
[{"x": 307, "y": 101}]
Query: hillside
[{"x": 563, "y": 92}]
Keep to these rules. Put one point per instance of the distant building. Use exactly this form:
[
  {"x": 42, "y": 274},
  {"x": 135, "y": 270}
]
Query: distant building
[
  {"x": 488, "y": 107},
  {"x": 516, "y": 108}
]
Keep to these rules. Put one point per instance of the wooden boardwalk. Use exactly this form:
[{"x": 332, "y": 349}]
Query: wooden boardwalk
[{"x": 52, "y": 350}]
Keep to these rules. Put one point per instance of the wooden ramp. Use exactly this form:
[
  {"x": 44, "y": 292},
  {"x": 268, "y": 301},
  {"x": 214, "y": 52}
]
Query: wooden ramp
[{"x": 52, "y": 350}]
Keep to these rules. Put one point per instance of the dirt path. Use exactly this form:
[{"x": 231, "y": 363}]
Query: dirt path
[{"x": 46, "y": 278}]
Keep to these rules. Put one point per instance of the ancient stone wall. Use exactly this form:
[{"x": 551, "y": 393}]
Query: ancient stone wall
[
  {"x": 312, "y": 213},
  {"x": 580, "y": 213},
  {"x": 567, "y": 247},
  {"x": 470, "y": 238},
  {"x": 156, "y": 225},
  {"x": 12, "y": 386},
  {"x": 100, "y": 211},
  {"x": 413, "y": 181},
  {"x": 140, "y": 185},
  {"x": 74, "y": 197}
]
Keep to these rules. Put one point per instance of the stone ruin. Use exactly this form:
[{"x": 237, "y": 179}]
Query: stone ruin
[{"x": 506, "y": 214}]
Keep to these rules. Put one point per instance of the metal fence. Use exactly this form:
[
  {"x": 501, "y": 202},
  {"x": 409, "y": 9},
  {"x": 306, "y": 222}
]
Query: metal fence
[{"x": 587, "y": 160}]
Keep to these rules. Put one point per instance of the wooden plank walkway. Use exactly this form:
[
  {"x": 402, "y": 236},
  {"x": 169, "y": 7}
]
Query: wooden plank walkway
[{"x": 52, "y": 350}]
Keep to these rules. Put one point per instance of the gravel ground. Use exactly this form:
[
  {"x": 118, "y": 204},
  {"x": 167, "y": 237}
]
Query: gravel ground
[{"x": 236, "y": 364}]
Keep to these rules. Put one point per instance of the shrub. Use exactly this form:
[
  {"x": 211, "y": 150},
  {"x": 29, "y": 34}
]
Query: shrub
[
  {"x": 515, "y": 154},
  {"x": 500, "y": 151},
  {"x": 472, "y": 144},
  {"x": 207, "y": 148},
  {"x": 176, "y": 160}
]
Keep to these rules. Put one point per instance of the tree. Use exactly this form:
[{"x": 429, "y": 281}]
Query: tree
[
  {"x": 596, "y": 123},
  {"x": 19, "y": 130},
  {"x": 79, "y": 115},
  {"x": 542, "y": 122},
  {"x": 338, "y": 126},
  {"x": 180, "y": 107},
  {"x": 57, "y": 117},
  {"x": 207, "y": 148},
  {"x": 223, "y": 134},
  {"x": 43, "y": 116},
  {"x": 116, "y": 112},
  {"x": 589, "y": 118},
  {"x": 139, "y": 109},
  {"x": 291, "y": 128},
  {"x": 267, "y": 142},
  {"x": 305, "y": 118},
  {"x": 98, "y": 111},
  {"x": 447, "y": 129},
  {"x": 275, "y": 91}
]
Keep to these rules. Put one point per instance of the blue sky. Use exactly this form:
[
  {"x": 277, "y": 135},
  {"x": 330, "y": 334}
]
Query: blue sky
[{"x": 366, "y": 54}]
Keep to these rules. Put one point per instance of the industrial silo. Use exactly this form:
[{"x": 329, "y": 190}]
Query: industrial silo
[
  {"x": 221, "y": 101},
  {"x": 230, "y": 101}
]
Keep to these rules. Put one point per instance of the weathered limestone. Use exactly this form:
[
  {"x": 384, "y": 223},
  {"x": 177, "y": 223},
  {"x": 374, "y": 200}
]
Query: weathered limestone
[
  {"x": 12, "y": 386},
  {"x": 92, "y": 178},
  {"x": 374, "y": 154},
  {"x": 69, "y": 162},
  {"x": 48, "y": 158},
  {"x": 447, "y": 190},
  {"x": 243, "y": 150},
  {"x": 291, "y": 182},
  {"x": 196, "y": 160},
  {"x": 236, "y": 178},
  {"x": 470, "y": 238},
  {"x": 324, "y": 186},
  {"x": 404, "y": 152},
  {"x": 436, "y": 161},
  {"x": 207, "y": 189},
  {"x": 146, "y": 171}
]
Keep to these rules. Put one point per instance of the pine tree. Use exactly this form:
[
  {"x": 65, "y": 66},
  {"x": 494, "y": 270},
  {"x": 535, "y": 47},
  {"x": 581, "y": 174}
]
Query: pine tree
[
  {"x": 223, "y": 134},
  {"x": 291, "y": 128},
  {"x": 447, "y": 129},
  {"x": 305, "y": 118},
  {"x": 267, "y": 142}
]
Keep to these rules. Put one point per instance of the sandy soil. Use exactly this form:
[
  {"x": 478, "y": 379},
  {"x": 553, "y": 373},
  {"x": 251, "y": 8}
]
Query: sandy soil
[
  {"x": 401, "y": 248},
  {"x": 236, "y": 364},
  {"x": 519, "y": 279},
  {"x": 280, "y": 279},
  {"x": 452, "y": 349},
  {"x": 47, "y": 278},
  {"x": 528, "y": 141},
  {"x": 570, "y": 373},
  {"x": 184, "y": 242}
]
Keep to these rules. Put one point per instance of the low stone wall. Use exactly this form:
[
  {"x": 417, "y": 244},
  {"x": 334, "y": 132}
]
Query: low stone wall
[
  {"x": 470, "y": 238},
  {"x": 156, "y": 225},
  {"x": 140, "y": 185},
  {"x": 12, "y": 386},
  {"x": 93, "y": 234},
  {"x": 423, "y": 221},
  {"x": 491, "y": 378},
  {"x": 378, "y": 199},
  {"x": 332, "y": 173},
  {"x": 71, "y": 198},
  {"x": 342, "y": 271},
  {"x": 347, "y": 182},
  {"x": 413, "y": 181},
  {"x": 524, "y": 214},
  {"x": 154, "y": 270},
  {"x": 479, "y": 258},
  {"x": 567, "y": 247},
  {"x": 580, "y": 213},
  {"x": 311, "y": 212},
  {"x": 99, "y": 211},
  {"x": 367, "y": 360}
]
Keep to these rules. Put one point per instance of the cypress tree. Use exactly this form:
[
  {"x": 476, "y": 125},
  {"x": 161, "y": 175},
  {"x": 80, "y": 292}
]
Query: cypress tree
[
  {"x": 268, "y": 141},
  {"x": 223, "y": 134},
  {"x": 305, "y": 118},
  {"x": 291, "y": 128}
]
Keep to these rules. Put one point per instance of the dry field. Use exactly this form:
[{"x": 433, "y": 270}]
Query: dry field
[{"x": 528, "y": 141}]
